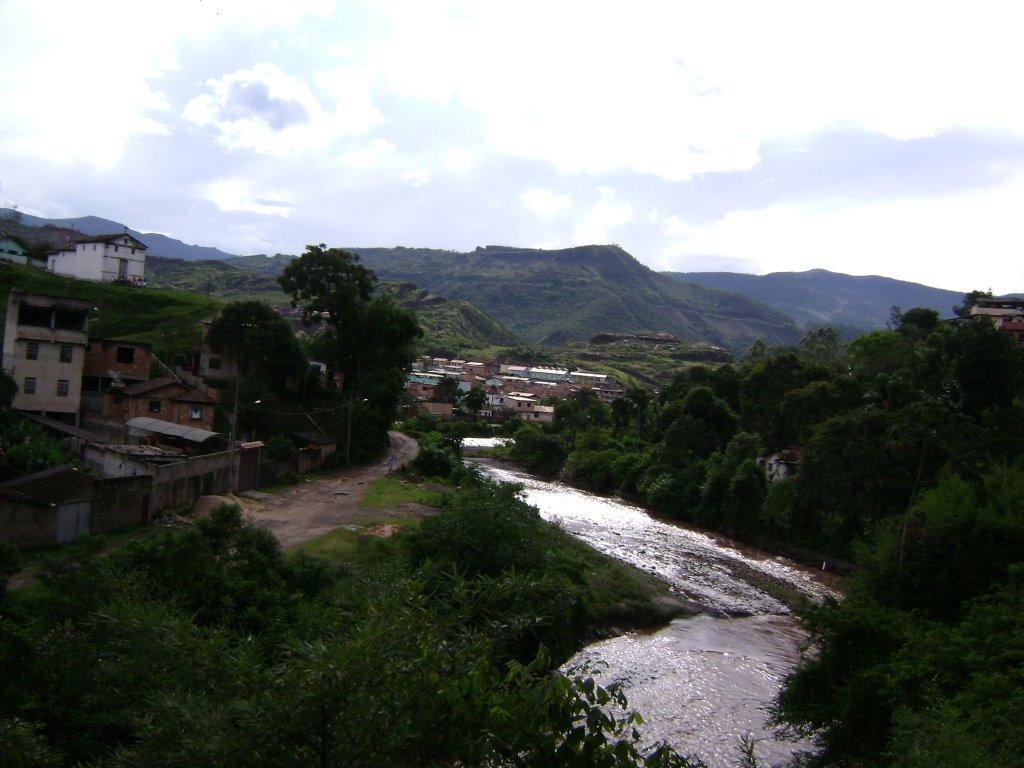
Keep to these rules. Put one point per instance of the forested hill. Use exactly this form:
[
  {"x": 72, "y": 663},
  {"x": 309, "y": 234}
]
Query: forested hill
[
  {"x": 558, "y": 296},
  {"x": 819, "y": 297}
]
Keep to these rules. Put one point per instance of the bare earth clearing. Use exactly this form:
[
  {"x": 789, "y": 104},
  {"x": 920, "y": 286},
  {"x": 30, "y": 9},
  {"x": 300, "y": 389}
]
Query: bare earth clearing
[{"x": 318, "y": 506}]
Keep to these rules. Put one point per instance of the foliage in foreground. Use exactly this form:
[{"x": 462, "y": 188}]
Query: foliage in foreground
[{"x": 210, "y": 647}]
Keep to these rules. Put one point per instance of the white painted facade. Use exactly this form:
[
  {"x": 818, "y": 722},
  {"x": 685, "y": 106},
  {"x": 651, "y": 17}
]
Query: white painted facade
[{"x": 104, "y": 258}]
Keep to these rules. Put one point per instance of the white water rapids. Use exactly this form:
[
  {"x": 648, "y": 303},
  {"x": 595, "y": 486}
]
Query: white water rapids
[{"x": 704, "y": 682}]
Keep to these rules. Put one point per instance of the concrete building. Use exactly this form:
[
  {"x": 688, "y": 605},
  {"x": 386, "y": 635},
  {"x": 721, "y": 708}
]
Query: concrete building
[
  {"x": 104, "y": 258},
  {"x": 44, "y": 352}
]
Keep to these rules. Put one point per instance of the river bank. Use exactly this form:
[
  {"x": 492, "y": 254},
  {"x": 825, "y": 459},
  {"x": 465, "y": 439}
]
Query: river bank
[
  {"x": 767, "y": 580},
  {"x": 704, "y": 683}
]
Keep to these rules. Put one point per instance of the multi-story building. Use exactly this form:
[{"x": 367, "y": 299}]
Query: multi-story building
[
  {"x": 105, "y": 258},
  {"x": 44, "y": 352}
]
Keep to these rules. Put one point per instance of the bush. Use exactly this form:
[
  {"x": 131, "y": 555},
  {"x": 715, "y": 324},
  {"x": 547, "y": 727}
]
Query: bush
[{"x": 280, "y": 448}]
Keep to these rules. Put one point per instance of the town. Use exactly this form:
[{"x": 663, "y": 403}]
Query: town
[{"x": 145, "y": 431}]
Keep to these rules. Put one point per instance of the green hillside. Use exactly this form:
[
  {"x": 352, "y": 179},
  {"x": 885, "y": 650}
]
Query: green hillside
[
  {"x": 223, "y": 280},
  {"x": 819, "y": 297},
  {"x": 167, "y": 319},
  {"x": 557, "y": 297},
  {"x": 450, "y": 327}
]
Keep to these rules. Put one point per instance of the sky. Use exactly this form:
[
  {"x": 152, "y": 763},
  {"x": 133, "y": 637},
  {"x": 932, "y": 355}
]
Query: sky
[{"x": 860, "y": 137}]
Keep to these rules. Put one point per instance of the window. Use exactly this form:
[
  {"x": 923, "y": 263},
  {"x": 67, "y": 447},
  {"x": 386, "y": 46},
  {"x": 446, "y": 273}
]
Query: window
[
  {"x": 214, "y": 363},
  {"x": 32, "y": 350},
  {"x": 66, "y": 353},
  {"x": 126, "y": 354},
  {"x": 62, "y": 387},
  {"x": 195, "y": 412},
  {"x": 154, "y": 406},
  {"x": 29, "y": 387}
]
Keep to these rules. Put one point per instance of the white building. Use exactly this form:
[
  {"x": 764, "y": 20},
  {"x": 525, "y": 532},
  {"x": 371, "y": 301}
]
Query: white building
[{"x": 104, "y": 258}]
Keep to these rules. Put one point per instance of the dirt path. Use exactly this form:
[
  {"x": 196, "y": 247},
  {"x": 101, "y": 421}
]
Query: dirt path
[{"x": 315, "y": 506}]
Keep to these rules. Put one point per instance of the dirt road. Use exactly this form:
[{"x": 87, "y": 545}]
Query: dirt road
[{"x": 316, "y": 506}]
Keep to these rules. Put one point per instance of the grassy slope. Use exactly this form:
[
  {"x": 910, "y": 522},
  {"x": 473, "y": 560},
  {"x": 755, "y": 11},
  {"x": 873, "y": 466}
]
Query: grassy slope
[{"x": 123, "y": 312}]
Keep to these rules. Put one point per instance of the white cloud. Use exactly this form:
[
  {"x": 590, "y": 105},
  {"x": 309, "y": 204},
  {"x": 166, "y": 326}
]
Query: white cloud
[
  {"x": 602, "y": 217},
  {"x": 266, "y": 111},
  {"x": 545, "y": 203},
  {"x": 235, "y": 195},
  {"x": 418, "y": 178},
  {"x": 951, "y": 243},
  {"x": 83, "y": 79}
]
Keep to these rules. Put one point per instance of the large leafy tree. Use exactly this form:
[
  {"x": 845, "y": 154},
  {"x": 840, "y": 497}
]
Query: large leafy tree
[
  {"x": 328, "y": 284},
  {"x": 261, "y": 342},
  {"x": 366, "y": 335}
]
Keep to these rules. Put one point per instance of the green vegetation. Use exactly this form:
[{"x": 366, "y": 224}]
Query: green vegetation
[
  {"x": 393, "y": 490},
  {"x": 544, "y": 297},
  {"x": 907, "y": 445},
  {"x": 364, "y": 334},
  {"x": 167, "y": 319},
  {"x": 211, "y": 647},
  {"x": 554, "y": 297},
  {"x": 214, "y": 279}
]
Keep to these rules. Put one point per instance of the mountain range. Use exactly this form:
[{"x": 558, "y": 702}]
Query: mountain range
[{"x": 558, "y": 297}]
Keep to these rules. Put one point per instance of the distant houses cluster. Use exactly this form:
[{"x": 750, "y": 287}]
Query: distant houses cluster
[{"x": 510, "y": 390}]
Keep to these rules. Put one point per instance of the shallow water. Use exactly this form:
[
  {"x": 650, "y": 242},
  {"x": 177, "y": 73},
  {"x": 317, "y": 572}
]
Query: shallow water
[{"x": 704, "y": 682}]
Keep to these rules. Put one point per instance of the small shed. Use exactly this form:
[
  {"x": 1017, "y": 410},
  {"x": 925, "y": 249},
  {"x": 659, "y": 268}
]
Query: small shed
[
  {"x": 46, "y": 508},
  {"x": 325, "y": 444}
]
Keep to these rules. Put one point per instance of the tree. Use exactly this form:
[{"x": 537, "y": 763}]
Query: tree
[
  {"x": 918, "y": 323},
  {"x": 8, "y": 389},
  {"x": 447, "y": 391},
  {"x": 329, "y": 284},
  {"x": 368, "y": 337},
  {"x": 260, "y": 341},
  {"x": 821, "y": 345},
  {"x": 475, "y": 400}
]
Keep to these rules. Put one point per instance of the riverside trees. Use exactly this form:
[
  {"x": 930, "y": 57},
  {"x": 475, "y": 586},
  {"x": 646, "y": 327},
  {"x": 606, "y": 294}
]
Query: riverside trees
[{"x": 909, "y": 469}]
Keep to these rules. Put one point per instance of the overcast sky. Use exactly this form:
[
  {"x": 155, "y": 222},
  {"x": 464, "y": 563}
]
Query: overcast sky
[{"x": 864, "y": 138}]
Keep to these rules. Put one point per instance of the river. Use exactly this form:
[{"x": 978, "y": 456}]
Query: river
[{"x": 704, "y": 682}]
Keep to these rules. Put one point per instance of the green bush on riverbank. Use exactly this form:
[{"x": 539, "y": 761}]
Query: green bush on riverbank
[{"x": 210, "y": 646}]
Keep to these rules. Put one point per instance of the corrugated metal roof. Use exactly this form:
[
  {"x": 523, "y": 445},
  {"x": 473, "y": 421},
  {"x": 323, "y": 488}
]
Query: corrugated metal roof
[
  {"x": 193, "y": 434},
  {"x": 58, "y": 485}
]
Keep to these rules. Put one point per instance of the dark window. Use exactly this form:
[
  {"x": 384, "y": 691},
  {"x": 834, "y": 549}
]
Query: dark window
[
  {"x": 37, "y": 316},
  {"x": 29, "y": 387},
  {"x": 195, "y": 412},
  {"x": 126, "y": 354},
  {"x": 154, "y": 406},
  {"x": 32, "y": 350},
  {"x": 66, "y": 353},
  {"x": 214, "y": 363},
  {"x": 70, "y": 319},
  {"x": 62, "y": 387}
]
